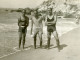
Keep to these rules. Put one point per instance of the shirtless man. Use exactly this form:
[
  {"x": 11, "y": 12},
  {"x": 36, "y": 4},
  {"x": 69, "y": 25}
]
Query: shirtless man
[
  {"x": 38, "y": 26},
  {"x": 23, "y": 23}
]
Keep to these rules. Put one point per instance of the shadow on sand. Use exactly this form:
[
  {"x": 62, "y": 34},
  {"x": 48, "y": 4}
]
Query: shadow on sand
[
  {"x": 61, "y": 46},
  {"x": 45, "y": 46}
]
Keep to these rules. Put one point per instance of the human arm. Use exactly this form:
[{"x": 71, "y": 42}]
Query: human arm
[
  {"x": 53, "y": 22},
  {"x": 19, "y": 24},
  {"x": 31, "y": 26},
  {"x": 46, "y": 23},
  {"x": 18, "y": 21},
  {"x": 26, "y": 22}
]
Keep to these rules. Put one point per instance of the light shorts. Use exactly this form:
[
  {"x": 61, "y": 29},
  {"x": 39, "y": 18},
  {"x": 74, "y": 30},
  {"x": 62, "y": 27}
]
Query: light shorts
[{"x": 38, "y": 30}]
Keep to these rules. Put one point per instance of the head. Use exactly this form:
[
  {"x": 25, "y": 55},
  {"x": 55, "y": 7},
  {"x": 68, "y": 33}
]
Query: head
[
  {"x": 50, "y": 11},
  {"x": 23, "y": 12},
  {"x": 36, "y": 12},
  {"x": 32, "y": 12}
]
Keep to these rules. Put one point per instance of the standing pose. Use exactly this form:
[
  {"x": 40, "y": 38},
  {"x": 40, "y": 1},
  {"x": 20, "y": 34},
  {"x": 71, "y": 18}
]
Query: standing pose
[
  {"x": 51, "y": 27},
  {"x": 77, "y": 18},
  {"x": 23, "y": 23},
  {"x": 38, "y": 26}
]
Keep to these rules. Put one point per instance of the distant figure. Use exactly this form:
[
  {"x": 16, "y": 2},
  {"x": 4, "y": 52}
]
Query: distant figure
[
  {"x": 77, "y": 19},
  {"x": 38, "y": 26},
  {"x": 51, "y": 27},
  {"x": 23, "y": 23}
]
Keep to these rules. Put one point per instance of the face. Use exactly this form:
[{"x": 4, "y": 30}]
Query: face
[
  {"x": 36, "y": 13},
  {"x": 24, "y": 12},
  {"x": 50, "y": 11},
  {"x": 32, "y": 13}
]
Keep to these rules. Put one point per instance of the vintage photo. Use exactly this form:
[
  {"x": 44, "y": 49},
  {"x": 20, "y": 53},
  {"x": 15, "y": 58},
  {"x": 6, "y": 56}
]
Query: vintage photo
[{"x": 39, "y": 29}]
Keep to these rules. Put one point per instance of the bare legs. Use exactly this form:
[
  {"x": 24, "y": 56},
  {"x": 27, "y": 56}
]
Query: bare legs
[
  {"x": 57, "y": 40},
  {"x": 40, "y": 37},
  {"x": 35, "y": 41},
  {"x": 49, "y": 38},
  {"x": 22, "y": 35},
  {"x": 24, "y": 39},
  {"x": 56, "y": 37}
]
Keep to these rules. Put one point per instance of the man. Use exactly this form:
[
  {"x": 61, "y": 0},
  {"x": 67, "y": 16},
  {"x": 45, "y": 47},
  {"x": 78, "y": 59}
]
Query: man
[
  {"x": 23, "y": 23},
  {"x": 38, "y": 26},
  {"x": 51, "y": 27},
  {"x": 77, "y": 18}
]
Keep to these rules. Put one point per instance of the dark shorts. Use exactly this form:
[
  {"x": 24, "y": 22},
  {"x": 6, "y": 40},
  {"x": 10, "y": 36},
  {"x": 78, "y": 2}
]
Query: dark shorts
[
  {"x": 51, "y": 28},
  {"x": 23, "y": 30},
  {"x": 22, "y": 34}
]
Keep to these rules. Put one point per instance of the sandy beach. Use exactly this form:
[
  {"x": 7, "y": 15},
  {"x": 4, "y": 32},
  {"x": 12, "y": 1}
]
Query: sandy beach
[
  {"x": 70, "y": 47},
  {"x": 9, "y": 34}
]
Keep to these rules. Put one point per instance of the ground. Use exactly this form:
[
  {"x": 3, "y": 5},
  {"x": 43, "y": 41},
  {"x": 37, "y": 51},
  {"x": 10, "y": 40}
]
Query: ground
[{"x": 70, "y": 47}]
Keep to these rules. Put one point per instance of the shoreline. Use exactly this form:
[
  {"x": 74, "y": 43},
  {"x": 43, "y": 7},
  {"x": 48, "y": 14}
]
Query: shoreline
[{"x": 62, "y": 28}]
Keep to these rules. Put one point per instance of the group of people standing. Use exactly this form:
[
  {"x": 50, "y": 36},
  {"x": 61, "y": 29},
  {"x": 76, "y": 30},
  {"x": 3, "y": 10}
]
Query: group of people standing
[{"x": 36, "y": 18}]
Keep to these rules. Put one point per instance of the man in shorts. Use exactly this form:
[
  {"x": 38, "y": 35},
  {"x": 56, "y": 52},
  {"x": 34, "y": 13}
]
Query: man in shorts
[
  {"x": 38, "y": 26},
  {"x": 23, "y": 23},
  {"x": 51, "y": 27}
]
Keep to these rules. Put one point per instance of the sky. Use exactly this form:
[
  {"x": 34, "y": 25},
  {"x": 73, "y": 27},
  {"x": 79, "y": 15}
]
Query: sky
[{"x": 20, "y": 3}]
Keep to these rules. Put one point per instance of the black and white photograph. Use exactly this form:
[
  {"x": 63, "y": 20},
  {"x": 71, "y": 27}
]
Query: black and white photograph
[{"x": 39, "y": 29}]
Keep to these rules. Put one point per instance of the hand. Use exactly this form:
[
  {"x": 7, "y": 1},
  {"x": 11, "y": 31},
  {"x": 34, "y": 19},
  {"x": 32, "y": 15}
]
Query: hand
[
  {"x": 22, "y": 26},
  {"x": 48, "y": 23}
]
